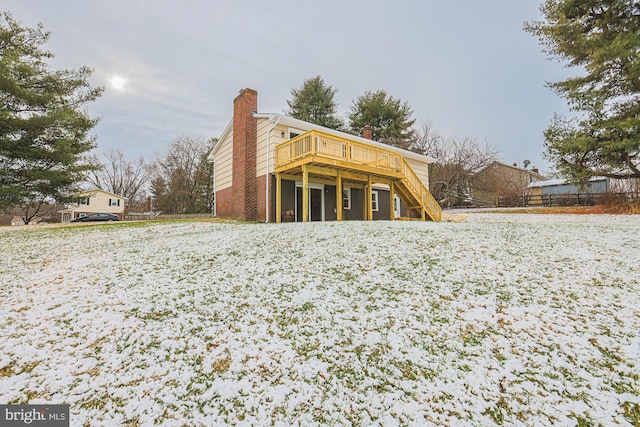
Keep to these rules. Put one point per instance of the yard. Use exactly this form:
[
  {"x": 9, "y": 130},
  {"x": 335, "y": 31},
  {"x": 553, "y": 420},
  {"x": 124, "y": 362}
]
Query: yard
[{"x": 510, "y": 319}]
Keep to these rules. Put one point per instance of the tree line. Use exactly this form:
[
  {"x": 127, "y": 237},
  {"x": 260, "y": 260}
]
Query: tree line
[
  {"x": 392, "y": 122},
  {"x": 180, "y": 181}
]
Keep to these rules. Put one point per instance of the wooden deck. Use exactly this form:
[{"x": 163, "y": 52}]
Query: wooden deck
[{"x": 329, "y": 159}]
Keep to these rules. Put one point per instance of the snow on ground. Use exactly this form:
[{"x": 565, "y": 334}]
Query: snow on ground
[{"x": 500, "y": 319}]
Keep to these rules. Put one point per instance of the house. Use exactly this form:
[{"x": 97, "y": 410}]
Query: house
[
  {"x": 274, "y": 168},
  {"x": 502, "y": 184},
  {"x": 17, "y": 221},
  {"x": 93, "y": 201},
  {"x": 562, "y": 192}
]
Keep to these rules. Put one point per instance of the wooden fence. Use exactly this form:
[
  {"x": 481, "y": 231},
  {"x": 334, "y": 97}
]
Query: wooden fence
[
  {"x": 160, "y": 217},
  {"x": 575, "y": 199}
]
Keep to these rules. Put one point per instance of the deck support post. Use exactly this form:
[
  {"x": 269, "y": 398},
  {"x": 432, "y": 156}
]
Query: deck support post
[
  {"x": 278, "y": 197},
  {"x": 422, "y": 209},
  {"x": 339, "y": 201},
  {"x": 368, "y": 203},
  {"x": 392, "y": 193},
  {"x": 305, "y": 193}
]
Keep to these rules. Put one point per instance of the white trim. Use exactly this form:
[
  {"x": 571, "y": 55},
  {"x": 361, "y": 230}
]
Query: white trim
[
  {"x": 348, "y": 190},
  {"x": 377, "y": 199},
  {"x": 215, "y": 196},
  {"x": 267, "y": 178},
  {"x": 225, "y": 132},
  {"x": 377, "y": 186},
  {"x": 291, "y": 130}
]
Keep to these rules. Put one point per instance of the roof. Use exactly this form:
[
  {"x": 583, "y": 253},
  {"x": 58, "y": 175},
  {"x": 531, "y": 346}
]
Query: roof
[
  {"x": 277, "y": 118},
  {"x": 87, "y": 192},
  {"x": 554, "y": 182},
  {"x": 528, "y": 171}
]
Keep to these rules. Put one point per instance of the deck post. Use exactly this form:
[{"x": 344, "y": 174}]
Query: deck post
[
  {"x": 305, "y": 193},
  {"x": 339, "y": 201},
  {"x": 278, "y": 197},
  {"x": 423, "y": 211},
  {"x": 368, "y": 203},
  {"x": 392, "y": 192}
]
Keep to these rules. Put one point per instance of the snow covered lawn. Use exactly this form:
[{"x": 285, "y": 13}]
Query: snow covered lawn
[{"x": 501, "y": 319}]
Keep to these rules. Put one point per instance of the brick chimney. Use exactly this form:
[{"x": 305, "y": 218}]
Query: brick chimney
[
  {"x": 245, "y": 135},
  {"x": 367, "y": 132}
]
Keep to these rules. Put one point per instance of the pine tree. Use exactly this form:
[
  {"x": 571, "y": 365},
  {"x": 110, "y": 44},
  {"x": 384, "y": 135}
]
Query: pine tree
[
  {"x": 390, "y": 118},
  {"x": 315, "y": 102},
  {"x": 44, "y": 126},
  {"x": 601, "y": 37}
]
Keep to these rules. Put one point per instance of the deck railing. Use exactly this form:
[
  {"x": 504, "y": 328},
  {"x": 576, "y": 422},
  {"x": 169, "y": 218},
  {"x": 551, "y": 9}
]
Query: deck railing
[
  {"x": 415, "y": 185},
  {"x": 315, "y": 143},
  {"x": 320, "y": 144}
]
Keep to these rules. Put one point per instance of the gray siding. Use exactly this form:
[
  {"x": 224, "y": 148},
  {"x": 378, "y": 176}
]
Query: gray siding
[
  {"x": 383, "y": 212},
  {"x": 357, "y": 206},
  {"x": 330, "y": 213}
]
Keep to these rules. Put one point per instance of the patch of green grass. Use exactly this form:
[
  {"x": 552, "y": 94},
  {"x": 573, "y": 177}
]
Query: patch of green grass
[
  {"x": 631, "y": 412},
  {"x": 496, "y": 414},
  {"x": 583, "y": 420}
]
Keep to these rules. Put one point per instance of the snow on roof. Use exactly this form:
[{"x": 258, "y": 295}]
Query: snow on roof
[
  {"x": 94, "y": 190},
  {"x": 506, "y": 165},
  {"x": 554, "y": 182}
]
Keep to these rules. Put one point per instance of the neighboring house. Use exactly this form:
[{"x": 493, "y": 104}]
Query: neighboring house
[
  {"x": 274, "y": 168},
  {"x": 93, "y": 201},
  {"x": 559, "y": 191},
  {"x": 502, "y": 184},
  {"x": 17, "y": 221}
]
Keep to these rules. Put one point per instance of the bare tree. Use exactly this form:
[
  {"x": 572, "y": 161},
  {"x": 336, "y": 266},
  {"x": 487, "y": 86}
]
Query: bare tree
[
  {"x": 182, "y": 182},
  {"x": 119, "y": 175},
  {"x": 457, "y": 160},
  {"x": 36, "y": 210}
]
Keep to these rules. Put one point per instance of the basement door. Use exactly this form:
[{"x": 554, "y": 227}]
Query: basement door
[{"x": 316, "y": 202}]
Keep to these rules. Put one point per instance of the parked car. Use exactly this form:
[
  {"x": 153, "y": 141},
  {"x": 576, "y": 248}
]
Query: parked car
[{"x": 97, "y": 217}]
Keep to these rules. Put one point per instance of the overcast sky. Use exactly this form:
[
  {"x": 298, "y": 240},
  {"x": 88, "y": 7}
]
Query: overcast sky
[{"x": 467, "y": 66}]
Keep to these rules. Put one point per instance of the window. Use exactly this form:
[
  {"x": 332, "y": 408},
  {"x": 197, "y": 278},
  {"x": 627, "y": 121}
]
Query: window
[
  {"x": 114, "y": 202},
  {"x": 374, "y": 200},
  {"x": 346, "y": 198},
  {"x": 84, "y": 201},
  {"x": 294, "y": 132}
]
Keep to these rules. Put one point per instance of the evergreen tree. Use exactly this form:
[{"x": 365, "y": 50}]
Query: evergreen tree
[
  {"x": 315, "y": 102},
  {"x": 602, "y": 37},
  {"x": 44, "y": 126},
  {"x": 390, "y": 118}
]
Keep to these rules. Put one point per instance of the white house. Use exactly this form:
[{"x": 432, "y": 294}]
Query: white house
[{"x": 93, "y": 201}]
